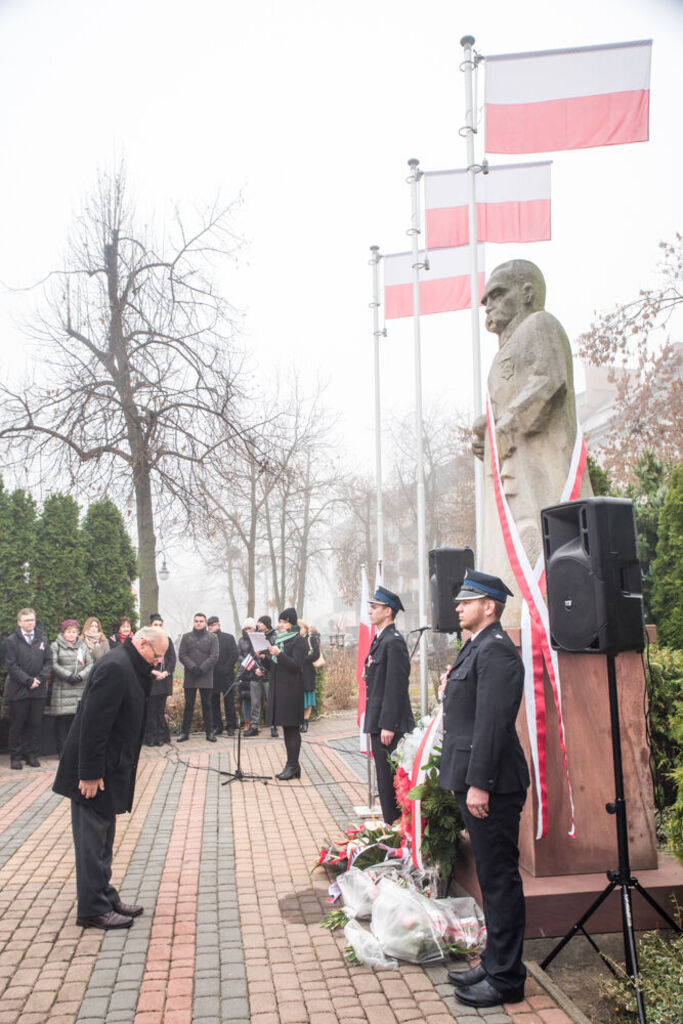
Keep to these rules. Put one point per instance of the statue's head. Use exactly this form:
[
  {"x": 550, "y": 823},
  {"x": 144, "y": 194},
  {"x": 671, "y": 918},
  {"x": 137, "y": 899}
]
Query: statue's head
[{"x": 513, "y": 291}]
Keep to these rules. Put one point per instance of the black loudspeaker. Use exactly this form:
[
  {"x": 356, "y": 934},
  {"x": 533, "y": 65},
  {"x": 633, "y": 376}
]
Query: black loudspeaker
[
  {"x": 593, "y": 576},
  {"x": 447, "y": 567}
]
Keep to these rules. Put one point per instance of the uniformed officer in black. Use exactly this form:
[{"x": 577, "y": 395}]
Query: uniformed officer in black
[
  {"x": 387, "y": 705},
  {"x": 482, "y": 762}
]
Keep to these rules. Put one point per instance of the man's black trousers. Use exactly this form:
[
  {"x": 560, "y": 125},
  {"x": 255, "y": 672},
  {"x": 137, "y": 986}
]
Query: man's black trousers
[
  {"x": 25, "y": 719},
  {"x": 385, "y": 776},
  {"x": 496, "y": 856},
  {"x": 207, "y": 709},
  {"x": 93, "y": 845}
]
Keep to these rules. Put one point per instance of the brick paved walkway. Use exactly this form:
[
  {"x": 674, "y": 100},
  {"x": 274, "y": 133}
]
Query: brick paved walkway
[{"x": 231, "y": 930}]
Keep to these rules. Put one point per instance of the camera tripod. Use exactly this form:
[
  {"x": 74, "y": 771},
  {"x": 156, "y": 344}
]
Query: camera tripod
[{"x": 622, "y": 877}]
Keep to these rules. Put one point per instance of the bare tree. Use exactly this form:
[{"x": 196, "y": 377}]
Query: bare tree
[
  {"x": 138, "y": 388},
  {"x": 645, "y": 367}
]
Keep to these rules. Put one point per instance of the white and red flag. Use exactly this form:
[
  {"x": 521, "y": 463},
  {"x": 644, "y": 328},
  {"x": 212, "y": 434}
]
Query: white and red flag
[
  {"x": 444, "y": 287},
  {"x": 513, "y": 205},
  {"x": 365, "y": 634},
  {"x": 568, "y": 99}
]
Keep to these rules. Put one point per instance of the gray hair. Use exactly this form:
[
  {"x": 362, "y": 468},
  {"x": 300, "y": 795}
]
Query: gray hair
[{"x": 150, "y": 633}]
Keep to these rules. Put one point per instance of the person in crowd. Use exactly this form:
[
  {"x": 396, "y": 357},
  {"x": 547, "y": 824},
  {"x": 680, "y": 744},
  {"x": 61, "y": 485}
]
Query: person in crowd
[
  {"x": 93, "y": 636},
  {"x": 287, "y": 655},
  {"x": 388, "y": 714},
  {"x": 265, "y": 625},
  {"x": 482, "y": 762},
  {"x": 28, "y": 659},
  {"x": 124, "y": 629},
  {"x": 312, "y": 638},
  {"x": 259, "y": 682},
  {"x": 71, "y": 666},
  {"x": 98, "y": 768},
  {"x": 223, "y": 679},
  {"x": 156, "y": 727},
  {"x": 245, "y": 672},
  {"x": 198, "y": 654}
]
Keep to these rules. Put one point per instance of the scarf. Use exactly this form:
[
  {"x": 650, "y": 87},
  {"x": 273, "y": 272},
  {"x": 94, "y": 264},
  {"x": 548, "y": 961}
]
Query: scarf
[{"x": 282, "y": 638}]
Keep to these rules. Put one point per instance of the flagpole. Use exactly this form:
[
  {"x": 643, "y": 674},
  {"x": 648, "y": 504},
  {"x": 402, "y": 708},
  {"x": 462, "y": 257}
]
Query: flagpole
[
  {"x": 469, "y": 131},
  {"x": 414, "y": 180},
  {"x": 377, "y": 333}
]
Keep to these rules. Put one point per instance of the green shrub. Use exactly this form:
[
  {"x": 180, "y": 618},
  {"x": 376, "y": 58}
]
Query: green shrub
[
  {"x": 660, "y": 976},
  {"x": 665, "y": 691}
]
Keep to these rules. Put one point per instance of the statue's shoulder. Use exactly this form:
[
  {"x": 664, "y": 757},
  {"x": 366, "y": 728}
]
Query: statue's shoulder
[{"x": 545, "y": 323}]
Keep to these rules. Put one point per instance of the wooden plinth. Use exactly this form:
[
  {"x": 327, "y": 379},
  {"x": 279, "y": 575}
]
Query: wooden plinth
[
  {"x": 555, "y": 903},
  {"x": 588, "y": 740}
]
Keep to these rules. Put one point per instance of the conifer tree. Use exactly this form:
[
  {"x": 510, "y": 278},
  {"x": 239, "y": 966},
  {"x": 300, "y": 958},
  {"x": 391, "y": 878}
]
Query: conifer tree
[
  {"x": 58, "y": 564},
  {"x": 667, "y": 571},
  {"x": 110, "y": 564},
  {"x": 17, "y": 537}
]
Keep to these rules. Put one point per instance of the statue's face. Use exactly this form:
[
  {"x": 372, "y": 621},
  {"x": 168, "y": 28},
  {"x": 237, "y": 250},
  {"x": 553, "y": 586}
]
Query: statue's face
[{"x": 503, "y": 301}]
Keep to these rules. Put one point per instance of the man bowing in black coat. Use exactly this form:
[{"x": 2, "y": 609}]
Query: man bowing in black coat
[
  {"x": 388, "y": 714},
  {"x": 482, "y": 762},
  {"x": 98, "y": 767}
]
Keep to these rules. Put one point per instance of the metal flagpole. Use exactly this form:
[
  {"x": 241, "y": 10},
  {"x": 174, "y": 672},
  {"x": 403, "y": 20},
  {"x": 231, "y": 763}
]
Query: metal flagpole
[
  {"x": 469, "y": 131},
  {"x": 414, "y": 180},
  {"x": 377, "y": 333}
]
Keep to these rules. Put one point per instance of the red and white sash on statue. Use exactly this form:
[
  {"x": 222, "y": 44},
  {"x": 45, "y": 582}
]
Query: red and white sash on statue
[
  {"x": 432, "y": 735},
  {"x": 535, "y": 626}
]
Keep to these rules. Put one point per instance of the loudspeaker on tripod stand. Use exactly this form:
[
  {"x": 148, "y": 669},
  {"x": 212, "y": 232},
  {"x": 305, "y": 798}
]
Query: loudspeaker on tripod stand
[
  {"x": 593, "y": 576},
  {"x": 447, "y": 568}
]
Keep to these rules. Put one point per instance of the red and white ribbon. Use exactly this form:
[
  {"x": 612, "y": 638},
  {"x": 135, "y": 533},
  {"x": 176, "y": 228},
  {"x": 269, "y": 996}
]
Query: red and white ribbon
[
  {"x": 537, "y": 650},
  {"x": 431, "y": 737}
]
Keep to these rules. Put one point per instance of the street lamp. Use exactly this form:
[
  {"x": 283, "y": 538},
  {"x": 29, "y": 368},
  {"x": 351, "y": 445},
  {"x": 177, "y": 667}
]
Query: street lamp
[{"x": 163, "y": 571}]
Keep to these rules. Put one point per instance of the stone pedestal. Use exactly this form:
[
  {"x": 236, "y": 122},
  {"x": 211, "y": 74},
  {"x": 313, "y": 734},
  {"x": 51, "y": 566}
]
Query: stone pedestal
[{"x": 588, "y": 739}]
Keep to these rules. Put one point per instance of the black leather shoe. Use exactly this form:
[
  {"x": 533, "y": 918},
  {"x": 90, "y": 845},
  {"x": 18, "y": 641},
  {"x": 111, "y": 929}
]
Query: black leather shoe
[
  {"x": 16, "y": 763},
  {"x": 110, "y": 920},
  {"x": 182, "y": 737},
  {"x": 290, "y": 771},
  {"x": 229, "y": 732},
  {"x": 211, "y": 737},
  {"x": 461, "y": 979},
  {"x": 304, "y": 726},
  {"x": 483, "y": 993},
  {"x": 252, "y": 732},
  {"x": 128, "y": 909},
  {"x": 273, "y": 730},
  {"x": 33, "y": 761}
]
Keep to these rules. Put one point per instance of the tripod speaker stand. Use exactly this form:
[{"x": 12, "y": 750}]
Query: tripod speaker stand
[{"x": 595, "y": 607}]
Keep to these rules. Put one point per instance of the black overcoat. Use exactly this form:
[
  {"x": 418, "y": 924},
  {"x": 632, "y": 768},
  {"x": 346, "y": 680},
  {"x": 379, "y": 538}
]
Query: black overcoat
[
  {"x": 313, "y": 640},
  {"x": 286, "y": 690},
  {"x": 224, "y": 669},
  {"x": 164, "y": 687},
  {"x": 387, "y": 679},
  {"x": 27, "y": 662},
  {"x": 483, "y": 693},
  {"x": 106, "y": 735}
]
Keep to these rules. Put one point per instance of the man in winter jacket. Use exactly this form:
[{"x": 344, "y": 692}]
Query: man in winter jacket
[
  {"x": 198, "y": 654},
  {"x": 223, "y": 678},
  {"x": 28, "y": 658},
  {"x": 98, "y": 767}
]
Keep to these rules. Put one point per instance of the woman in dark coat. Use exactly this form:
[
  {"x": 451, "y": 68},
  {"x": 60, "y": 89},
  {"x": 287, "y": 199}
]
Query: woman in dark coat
[
  {"x": 156, "y": 728},
  {"x": 124, "y": 629},
  {"x": 286, "y": 693}
]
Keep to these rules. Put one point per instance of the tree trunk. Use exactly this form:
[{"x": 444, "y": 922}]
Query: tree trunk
[{"x": 147, "y": 554}]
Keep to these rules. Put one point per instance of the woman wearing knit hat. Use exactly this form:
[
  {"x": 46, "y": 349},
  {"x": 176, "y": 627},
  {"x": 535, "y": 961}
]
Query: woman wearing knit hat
[
  {"x": 71, "y": 665},
  {"x": 286, "y": 694}
]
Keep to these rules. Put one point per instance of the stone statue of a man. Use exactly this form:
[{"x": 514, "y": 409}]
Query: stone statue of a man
[{"x": 531, "y": 386}]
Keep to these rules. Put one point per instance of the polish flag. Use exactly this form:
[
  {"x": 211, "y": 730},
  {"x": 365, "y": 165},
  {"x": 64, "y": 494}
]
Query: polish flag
[
  {"x": 366, "y": 631},
  {"x": 568, "y": 99},
  {"x": 444, "y": 287},
  {"x": 513, "y": 205}
]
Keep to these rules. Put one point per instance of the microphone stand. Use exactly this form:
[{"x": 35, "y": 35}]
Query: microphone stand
[{"x": 238, "y": 774}]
